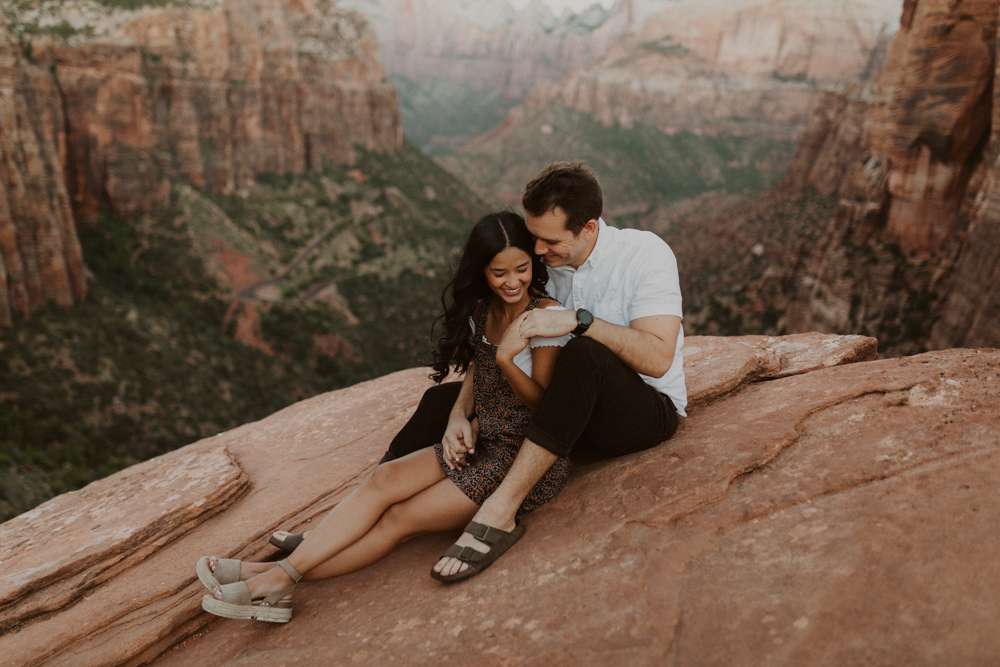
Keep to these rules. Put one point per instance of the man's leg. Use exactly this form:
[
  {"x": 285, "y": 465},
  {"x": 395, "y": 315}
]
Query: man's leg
[
  {"x": 595, "y": 403},
  {"x": 427, "y": 425}
]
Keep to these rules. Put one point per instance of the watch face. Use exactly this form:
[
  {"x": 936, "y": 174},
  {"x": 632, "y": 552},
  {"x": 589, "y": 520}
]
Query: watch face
[{"x": 585, "y": 317}]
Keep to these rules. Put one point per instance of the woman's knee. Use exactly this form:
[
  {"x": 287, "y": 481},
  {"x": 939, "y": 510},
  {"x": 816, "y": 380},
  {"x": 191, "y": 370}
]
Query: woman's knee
[
  {"x": 397, "y": 520},
  {"x": 385, "y": 478}
]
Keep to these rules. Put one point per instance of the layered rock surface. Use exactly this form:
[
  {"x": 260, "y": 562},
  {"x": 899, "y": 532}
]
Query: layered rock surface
[
  {"x": 847, "y": 512},
  {"x": 124, "y": 102}
]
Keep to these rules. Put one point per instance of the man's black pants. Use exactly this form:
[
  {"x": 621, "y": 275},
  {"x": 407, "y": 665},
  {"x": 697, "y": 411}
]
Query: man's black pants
[{"x": 595, "y": 408}]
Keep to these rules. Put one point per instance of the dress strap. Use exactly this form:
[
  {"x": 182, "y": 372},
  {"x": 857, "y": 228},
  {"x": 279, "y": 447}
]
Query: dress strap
[
  {"x": 484, "y": 311},
  {"x": 533, "y": 303}
]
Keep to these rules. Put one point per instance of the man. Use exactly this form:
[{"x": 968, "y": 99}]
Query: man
[{"x": 617, "y": 387}]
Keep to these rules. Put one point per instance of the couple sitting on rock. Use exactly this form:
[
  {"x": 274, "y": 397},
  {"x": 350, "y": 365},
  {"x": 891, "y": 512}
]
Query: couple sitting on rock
[{"x": 569, "y": 335}]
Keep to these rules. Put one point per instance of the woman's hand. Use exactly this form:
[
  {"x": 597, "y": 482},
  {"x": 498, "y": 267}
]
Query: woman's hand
[
  {"x": 513, "y": 340},
  {"x": 459, "y": 441}
]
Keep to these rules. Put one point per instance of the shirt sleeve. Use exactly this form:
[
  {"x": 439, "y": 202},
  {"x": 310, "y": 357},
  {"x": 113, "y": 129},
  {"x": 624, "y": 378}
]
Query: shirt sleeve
[
  {"x": 657, "y": 285},
  {"x": 540, "y": 341}
]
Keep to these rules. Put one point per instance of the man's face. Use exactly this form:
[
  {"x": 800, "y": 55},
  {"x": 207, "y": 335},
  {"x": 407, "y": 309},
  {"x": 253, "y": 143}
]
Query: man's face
[{"x": 557, "y": 245}]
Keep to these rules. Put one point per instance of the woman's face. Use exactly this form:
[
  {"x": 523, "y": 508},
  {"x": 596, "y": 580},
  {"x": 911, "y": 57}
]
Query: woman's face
[{"x": 509, "y": 274}]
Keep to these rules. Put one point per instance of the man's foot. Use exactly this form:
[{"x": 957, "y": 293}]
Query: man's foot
[{"x": 450, "y": 566}]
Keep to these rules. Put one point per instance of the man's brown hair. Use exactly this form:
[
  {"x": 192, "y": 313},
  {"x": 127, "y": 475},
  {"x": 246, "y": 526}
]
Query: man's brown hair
[{"x": 572, "y": 186}]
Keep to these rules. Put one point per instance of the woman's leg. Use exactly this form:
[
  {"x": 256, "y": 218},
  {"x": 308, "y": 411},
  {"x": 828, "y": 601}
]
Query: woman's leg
[
  {"x": 354, "y": 516},
  {"x": 440, "y": 508},
  {"x": 436, "y": 509}
]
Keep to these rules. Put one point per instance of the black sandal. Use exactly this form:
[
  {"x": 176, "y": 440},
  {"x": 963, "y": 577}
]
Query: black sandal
[
  {"x": 498, "y": 540},
  {"x": 289, "y": 543}
]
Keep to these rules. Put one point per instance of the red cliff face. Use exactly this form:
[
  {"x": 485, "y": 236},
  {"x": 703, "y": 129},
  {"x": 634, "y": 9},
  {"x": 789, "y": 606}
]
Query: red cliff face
[
  {"x": 213, "y": 95},
  {"x": 933, "y": 114},
  {"x": 915, "y": 166},
  {"x": 40, "y": 256}
]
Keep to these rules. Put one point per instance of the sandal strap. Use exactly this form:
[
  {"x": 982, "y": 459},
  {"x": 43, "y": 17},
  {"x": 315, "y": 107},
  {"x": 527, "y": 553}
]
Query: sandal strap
[
  {"x": 236, "y": 593},
  {"x": 485, "y": 534},
  {"x": 465, "y": 554},
  {"x": 290, "y": 571},
  {"x": 227, "y": 570},
  {"x": 277, "y": 596}
]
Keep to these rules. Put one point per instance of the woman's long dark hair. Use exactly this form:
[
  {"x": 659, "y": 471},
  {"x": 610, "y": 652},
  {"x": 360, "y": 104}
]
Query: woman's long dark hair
[{"x": 491, "y": 235}]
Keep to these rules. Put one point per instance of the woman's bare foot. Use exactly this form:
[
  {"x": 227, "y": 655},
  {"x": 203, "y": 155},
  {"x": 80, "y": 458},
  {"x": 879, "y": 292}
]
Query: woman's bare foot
[
  {"x": 247, "y": 570},
  {"x": 264, "y": 583}
]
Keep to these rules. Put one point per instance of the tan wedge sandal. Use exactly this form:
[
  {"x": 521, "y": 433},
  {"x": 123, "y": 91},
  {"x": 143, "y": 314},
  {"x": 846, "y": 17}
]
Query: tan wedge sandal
[
  {"x": 237, "y": 603},
  {"x": 227, "y": 571}
]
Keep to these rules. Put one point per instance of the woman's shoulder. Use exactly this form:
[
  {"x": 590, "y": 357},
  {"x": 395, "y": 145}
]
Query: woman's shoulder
[{"x": 548, "y": 302}]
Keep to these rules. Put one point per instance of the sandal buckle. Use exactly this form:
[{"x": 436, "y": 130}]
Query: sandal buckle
[
  {"x": 465, "y": 555},
  {"x": 481, "y": 528}
]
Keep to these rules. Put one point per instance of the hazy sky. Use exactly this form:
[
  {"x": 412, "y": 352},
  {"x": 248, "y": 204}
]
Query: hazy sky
[{"x": 558, "y": 5}]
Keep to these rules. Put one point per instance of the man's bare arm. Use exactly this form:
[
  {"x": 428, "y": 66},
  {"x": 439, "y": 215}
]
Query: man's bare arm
[{"x": 647, "y": 345}]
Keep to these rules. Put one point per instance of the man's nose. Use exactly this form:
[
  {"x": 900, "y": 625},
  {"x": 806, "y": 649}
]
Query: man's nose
[{"x": 540, "y": 247}]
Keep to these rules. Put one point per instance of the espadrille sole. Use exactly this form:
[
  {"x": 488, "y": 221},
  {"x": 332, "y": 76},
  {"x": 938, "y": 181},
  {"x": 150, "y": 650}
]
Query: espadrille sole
[
  {"x": 205, "y": 575},
  {"x": 254, "y": 612}
]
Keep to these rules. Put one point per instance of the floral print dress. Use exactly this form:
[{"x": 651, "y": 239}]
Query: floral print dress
[{"x": 502, "y": 420}]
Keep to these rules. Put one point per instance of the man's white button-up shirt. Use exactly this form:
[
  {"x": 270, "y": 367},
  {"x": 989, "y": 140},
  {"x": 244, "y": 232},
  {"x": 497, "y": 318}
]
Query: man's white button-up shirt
[{"x": 630, "y": 274}]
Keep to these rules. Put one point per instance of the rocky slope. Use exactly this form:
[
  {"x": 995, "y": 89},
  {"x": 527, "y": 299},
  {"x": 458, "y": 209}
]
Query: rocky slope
[
  {"x": 117, "y": 585},
  {"x": 899, "y": 178},
  {"x": 124, "y": 101}
]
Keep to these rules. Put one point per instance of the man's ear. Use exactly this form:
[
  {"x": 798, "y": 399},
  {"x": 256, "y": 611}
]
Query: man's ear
[{"x": 590, "y": 229}]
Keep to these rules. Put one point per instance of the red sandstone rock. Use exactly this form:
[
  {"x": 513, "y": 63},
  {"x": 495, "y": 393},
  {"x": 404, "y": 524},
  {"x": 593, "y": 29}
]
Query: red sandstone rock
[
  {"x": 40, "y": 256},
  {"x": 716, "y": 365},
  {"x": 88, "y": 537},
  {"x": 648, "y": 519},
  {"x": 842, "y": 516}
]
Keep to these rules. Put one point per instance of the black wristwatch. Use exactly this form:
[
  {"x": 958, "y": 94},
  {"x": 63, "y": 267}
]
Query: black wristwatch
[{"x": 584, "y": 318}]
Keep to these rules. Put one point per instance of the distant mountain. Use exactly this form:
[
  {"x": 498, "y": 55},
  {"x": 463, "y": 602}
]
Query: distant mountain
[
  {"x": 459, "y": 65},
  {"x": 733, "y": 81}
]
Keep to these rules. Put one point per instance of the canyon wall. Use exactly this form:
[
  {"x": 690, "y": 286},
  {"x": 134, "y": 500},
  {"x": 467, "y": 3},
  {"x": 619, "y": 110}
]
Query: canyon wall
[
  {"x": 213, "y": 93},
  {"x": 40, "y": 258},
  {"x": 907, "y": 246},
  {"x": 729, "y": 66}
]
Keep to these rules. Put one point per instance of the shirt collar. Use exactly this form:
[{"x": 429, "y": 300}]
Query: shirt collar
[{"x": 601, "y": 247}]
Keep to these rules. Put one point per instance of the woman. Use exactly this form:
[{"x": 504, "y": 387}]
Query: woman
[{"x": 437, "y": 489}]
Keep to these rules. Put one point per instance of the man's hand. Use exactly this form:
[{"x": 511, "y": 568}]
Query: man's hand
[
  {"x": 459, "y": 441},
  {"x": 548, "y": 323}
]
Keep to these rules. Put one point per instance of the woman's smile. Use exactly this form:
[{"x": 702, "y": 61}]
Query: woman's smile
[{"x": 509, "y": 274}]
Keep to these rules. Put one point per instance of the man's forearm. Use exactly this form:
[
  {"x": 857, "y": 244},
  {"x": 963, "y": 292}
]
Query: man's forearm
[
  {"x": 465, "y": 404},
  {"x": 643, "y": 351}
]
